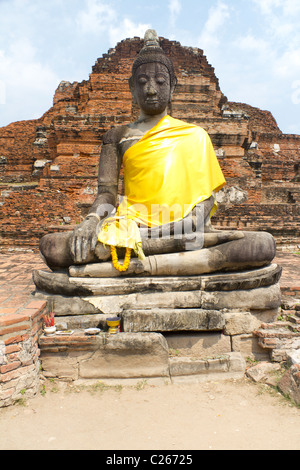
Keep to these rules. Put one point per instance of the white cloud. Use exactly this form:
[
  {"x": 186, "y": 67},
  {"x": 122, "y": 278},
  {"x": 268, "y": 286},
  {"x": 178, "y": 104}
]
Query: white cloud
[
  {"x": 126, "y": 29},
  {"x": 289, "y": 7},
  {"x": 296, "y": 92},
  {"x": 281, "y": 20},
  {"x": 277, "y": 44},
  {"x": 25, "y": 81},
  {"x": 252, "y": 43},
  {"x": 2, "y": 92},
  {"x": 99, "y": 17},
  {"x": 288, "y": 65},
  {"x": 267, "y": 6},
  {"x": 96, "y": 17},
  {"x": 217, "y": 16},
  {"x": 175, "y": 9}
]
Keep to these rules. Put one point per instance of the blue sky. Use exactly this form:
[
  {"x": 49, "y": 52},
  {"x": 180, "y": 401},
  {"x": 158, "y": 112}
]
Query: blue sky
[{"x": 254, "y": 46}]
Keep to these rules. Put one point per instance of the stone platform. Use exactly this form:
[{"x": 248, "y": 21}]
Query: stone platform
[{"x": 200, "y": 320}]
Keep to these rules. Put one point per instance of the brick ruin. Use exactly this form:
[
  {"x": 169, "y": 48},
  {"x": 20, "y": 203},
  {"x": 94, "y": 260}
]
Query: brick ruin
[{"x": 48, "y": 166}]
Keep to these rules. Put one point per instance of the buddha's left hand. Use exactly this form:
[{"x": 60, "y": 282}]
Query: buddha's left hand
[{"x": 83, "y": 240}]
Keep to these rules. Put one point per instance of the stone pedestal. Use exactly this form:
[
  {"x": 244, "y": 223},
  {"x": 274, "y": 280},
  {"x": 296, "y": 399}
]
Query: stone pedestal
[{"x": 194, "y": 319}]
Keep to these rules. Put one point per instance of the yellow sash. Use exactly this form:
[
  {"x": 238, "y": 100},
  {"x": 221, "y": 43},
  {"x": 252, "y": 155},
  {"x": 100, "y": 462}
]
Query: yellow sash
[{"x": 167, "y": 172}]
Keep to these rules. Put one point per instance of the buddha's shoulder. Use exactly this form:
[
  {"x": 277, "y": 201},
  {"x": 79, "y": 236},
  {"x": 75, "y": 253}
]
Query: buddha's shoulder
[
  {"x": 178, "y": 123},
  {"x": 117, "y": 134}
]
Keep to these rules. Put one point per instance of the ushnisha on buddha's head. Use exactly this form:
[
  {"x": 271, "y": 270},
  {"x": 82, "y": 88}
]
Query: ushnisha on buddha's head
[{"x": 153, "y": 79}]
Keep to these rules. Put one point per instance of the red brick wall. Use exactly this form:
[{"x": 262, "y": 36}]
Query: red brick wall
[{"x": 20, "y": 329}]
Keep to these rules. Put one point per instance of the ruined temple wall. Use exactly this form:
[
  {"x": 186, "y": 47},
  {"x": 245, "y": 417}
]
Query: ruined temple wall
[{"x": 17, "y": 152}]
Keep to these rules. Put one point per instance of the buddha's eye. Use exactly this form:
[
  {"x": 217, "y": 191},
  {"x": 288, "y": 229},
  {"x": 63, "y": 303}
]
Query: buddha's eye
[
  {"x": 142, "y": 80},
  {"x": 160, "y": 80}
]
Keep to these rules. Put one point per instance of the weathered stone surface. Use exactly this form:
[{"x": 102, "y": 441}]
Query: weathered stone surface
[
  {"x": 59, "y": 365},
  {"x": 70, "y": 306},
  {"x": 293, "y": 356},
  {"x": 63, "y": 284},
  {"x": 242, "y": 280},
  {"x": 290, "y": 383},
  {"x": 267, "y": 315},
  {"x": 56, "y": 283},
  {"x": 165, "y": 319},
  {"x": 129, "y": 285},
  {"x": 118, "y": 303},
  {"x": 201, "y": 345},
  {"x": 75, "y": 322},
  {"x": 262, "y": 298},
  {"x": 258, "y": 299},
  {"x": 237, "y": 323},
  {"x": 283, "y": 349},
  {"x": 265, "y": 372},
  {"x": 248, "y": 346},
  {"x": 187, "y": 369},
  {"x": 128, "y": 355},
  {"x": 191, "y": 366},
  {"x": 122, "y": 355}
]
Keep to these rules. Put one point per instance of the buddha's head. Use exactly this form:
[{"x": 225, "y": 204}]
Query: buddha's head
[{"x": 153, "y": 80}]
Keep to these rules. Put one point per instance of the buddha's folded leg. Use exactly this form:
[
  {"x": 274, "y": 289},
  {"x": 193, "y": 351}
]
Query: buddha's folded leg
[{"x": 254, "y": 250}]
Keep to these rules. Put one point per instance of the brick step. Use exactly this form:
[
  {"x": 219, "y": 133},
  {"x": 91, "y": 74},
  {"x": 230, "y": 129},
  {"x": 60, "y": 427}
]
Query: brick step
[{"x": 281, "y": 338}]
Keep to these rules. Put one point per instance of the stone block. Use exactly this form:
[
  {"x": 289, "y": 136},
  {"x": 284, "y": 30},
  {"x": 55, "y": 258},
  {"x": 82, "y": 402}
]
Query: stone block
[
  {"x": 155, "y": 319},
  {"x": 117, "y": 304},
  {"x": 124, "y": 355},
  {"x": 75, "y": 322},
  {"x": 248, "y": 346},
  {"x": 226, "y": 366},
  {"x": 128, "y": 355},
  {"x": 198, "y": 344},
  {"x": 59, "y": 365},
  {"x": 266, "y": 315},
  {"x": 237, "y": 323},
  {"x": 265, "y": 372},
  {"x": 257, "y": 299}
]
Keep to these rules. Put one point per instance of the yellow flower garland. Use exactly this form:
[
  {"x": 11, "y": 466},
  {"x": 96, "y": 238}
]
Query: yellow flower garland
[{"x": 115, "y": 261}]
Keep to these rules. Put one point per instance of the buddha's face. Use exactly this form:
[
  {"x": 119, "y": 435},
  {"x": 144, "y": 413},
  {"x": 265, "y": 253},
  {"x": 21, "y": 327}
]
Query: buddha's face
[{"x": 152, "y": 89}]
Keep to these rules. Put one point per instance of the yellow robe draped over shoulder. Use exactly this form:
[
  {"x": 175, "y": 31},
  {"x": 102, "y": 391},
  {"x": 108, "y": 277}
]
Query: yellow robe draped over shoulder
[{"x": 167, "y": 172}]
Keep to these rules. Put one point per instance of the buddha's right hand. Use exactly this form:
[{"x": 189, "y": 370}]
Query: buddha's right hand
[{"x": 83, "y": 240}]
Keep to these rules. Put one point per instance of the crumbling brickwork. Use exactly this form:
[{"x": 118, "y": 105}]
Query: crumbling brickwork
[{"x": 48, "y": 166}]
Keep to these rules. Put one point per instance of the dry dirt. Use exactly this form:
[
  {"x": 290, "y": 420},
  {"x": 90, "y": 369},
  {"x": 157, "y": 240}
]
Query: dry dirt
[{"x": 225, "y": 415}]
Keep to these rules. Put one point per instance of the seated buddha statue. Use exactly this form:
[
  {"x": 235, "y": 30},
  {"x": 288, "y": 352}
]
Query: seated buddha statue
[{"x": 171, "y": 177}]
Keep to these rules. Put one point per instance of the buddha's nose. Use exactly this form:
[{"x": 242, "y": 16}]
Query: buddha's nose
[{"x": 151, "y": 90}]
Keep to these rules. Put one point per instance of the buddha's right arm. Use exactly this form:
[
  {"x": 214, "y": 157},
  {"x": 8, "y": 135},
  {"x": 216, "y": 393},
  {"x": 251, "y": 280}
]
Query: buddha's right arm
[
  {"x": 84, "y": 238},
  {"x": 108, "y": 177}
]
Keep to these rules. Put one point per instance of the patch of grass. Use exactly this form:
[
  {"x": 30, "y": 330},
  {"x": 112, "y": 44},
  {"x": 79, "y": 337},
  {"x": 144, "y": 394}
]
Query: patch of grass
[
  {"x": 174, "y": 352},
  {"x": 20, "y": 402},
  {"x": 141, "y": 384},
  {"x": 43, "y": 390}
]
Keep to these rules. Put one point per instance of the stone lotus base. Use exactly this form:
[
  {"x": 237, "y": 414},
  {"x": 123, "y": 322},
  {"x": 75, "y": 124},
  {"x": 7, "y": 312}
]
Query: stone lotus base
[{"x": 171, "y": 326}]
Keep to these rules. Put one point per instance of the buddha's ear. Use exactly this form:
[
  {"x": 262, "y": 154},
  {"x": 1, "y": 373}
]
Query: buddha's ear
[
  {"x": 172, "y": 89},
  {"x": 132, "y": 90},
  {"x": 173, "y": 86}
]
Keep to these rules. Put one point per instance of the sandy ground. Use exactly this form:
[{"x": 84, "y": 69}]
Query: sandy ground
[{"x": 225, "y": 415}]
